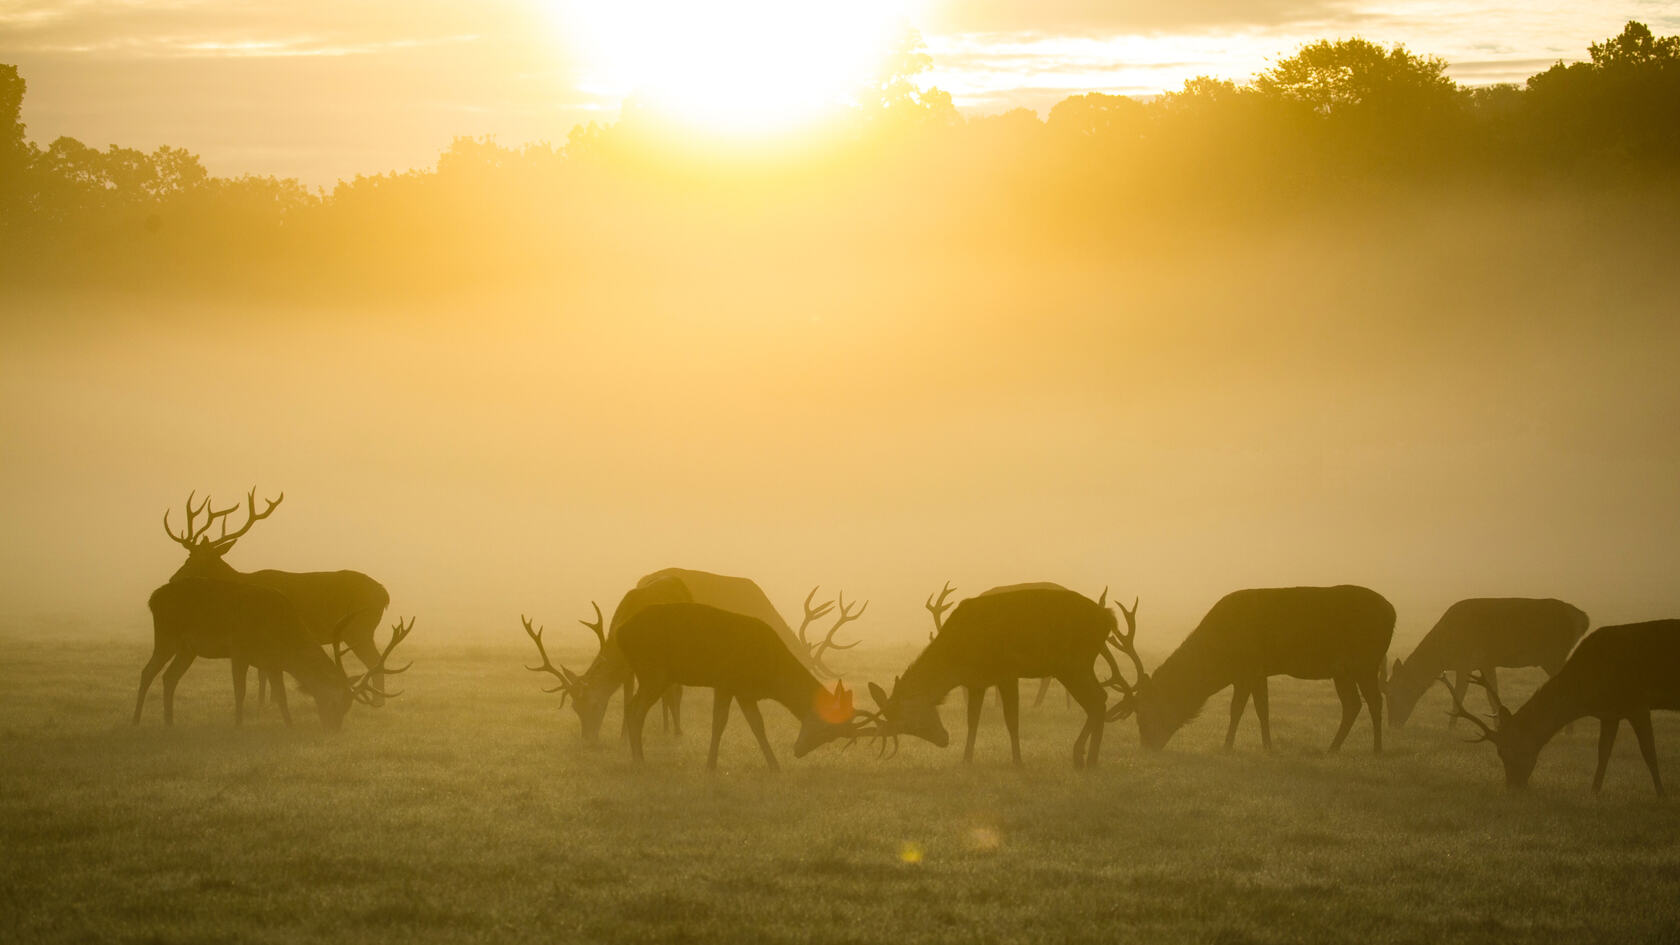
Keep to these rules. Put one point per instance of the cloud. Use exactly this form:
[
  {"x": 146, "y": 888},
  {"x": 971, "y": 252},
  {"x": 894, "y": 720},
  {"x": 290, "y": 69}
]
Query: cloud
[{"x": 1083, "y": 17}]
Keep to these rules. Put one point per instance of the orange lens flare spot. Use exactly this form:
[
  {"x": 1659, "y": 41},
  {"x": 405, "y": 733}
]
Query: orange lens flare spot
[{"x": 835, "y": 707}]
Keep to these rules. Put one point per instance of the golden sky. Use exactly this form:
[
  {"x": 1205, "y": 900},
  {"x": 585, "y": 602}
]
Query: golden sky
[{"x": 322, "y": 90}]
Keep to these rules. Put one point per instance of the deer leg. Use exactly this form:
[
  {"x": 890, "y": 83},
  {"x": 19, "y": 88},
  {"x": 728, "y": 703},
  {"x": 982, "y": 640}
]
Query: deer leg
[
  {"x": 1009, "y": 693},
  {"x": 1089, "y": 694},
  {"x": 749, "y": 708},
  {"x": 1371, "y": 688},
  {"x": 239, "y": 671},
  {"x": 673, "y": 708},
  {"x": 171, "y": 676},
  {"x": 278, "y": 686},
  {"x": 1461, "y": 684},
  {"x": 976, "y": 702},
  {"x": 629, "y": 694},
  {"x": 635, "y": 715},
  {"x": 1606, "y": 743},
  {"x": 1239, "y": 700},
  {"x": 262, "y": 688},
  {"x": 1641, "y": 722},
  {"x": 1263, "y": 712},
  {"x": 147, "y": 673},
  {"x": 1490, "y": 673},
  {"x": 1349, "y": 693},
  {"x": 1043, "y": 688},
  {"x": 720, "y": 718}
]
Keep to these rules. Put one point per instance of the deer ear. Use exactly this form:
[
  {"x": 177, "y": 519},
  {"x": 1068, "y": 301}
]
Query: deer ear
[{"x": 878, "y": 694}]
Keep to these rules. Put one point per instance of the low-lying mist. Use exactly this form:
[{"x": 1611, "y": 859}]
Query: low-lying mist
[{"x": 1438, "y": 400}]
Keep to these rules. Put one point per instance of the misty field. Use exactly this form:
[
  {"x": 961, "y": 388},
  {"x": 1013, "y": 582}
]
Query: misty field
[{"x": 469, "y": 809}]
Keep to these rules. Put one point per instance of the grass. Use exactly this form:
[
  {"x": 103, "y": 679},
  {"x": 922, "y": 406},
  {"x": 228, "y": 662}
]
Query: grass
[{"x": 470, "y": 810}]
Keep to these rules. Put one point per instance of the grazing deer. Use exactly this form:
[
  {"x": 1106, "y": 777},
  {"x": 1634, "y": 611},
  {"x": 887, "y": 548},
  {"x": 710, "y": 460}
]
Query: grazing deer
[
  {"x": 1484, "y": 633},
  {"x": 335, "y": 606},
  {"x": 251, "y": 626},
  {"x": 1620, "y": 672},
  {"x": 938, "y": 608},
  {"x": 998, "y": 639},
  {"x": 743, "y": 660},
  {"x": 591, "y": 691},
  {"x": 1338, "y": 633}
]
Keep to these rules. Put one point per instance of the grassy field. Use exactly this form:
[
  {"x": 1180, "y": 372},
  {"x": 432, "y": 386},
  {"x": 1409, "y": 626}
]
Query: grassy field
[{"x": 469, "y": 810}]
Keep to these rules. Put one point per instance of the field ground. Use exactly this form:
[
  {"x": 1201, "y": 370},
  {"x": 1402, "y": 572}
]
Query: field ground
[{"x": 469, "y": 810}]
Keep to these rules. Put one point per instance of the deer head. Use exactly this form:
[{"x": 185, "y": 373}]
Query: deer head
[
  {"x": 1516, "y": 753},
  {"x": 334, "y": 702},
  {"x": 832, "y": 715},
  {"x": 898, "y": 714},
  {"x": 589, "y": 703},
  {"x": 204, "y": 553}
]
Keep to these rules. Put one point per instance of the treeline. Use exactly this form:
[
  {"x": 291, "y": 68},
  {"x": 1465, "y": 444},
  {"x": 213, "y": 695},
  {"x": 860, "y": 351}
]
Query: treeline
[{"x": 906, "y": 173}]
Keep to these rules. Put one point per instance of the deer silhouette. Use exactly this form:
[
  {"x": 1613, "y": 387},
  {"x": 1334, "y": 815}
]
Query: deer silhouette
[
  {"x": 249, "y": 625},
  {"x": 1617, "y": 673},
  {"x": 591, "y": 691},
  {"x": 997, "y": 640},
  {"x": 1482, "y": 634},
  {"x": 336, "y": 607},
  {"x": 743, "y": 660},
  {"x": 1338, "y": 633}
]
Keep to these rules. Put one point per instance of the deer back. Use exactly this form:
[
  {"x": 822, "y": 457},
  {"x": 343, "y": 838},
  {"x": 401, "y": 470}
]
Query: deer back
[
  {"x": 1024, "y": 632},
  {"x": 325, "y": 598},
  {"x": 693, "y": 644}
]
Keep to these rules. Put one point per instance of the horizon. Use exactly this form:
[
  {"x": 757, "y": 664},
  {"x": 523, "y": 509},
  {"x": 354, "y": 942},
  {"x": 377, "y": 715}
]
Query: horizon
[{"x": 223, "y": 82}]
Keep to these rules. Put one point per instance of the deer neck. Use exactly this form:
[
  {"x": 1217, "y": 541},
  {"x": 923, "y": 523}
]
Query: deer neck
[
  {"x": 1555, "y": 704},
  {"x": 212, "y": 567},
  {"x": 1184, "y": 682},
  {"x": 933, "y": 674}
]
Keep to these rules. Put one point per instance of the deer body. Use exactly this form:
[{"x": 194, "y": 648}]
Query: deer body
[
  {"x": 1617, "y": 673},
  {"x": 334, "y": 606},
  {"x": 249, "y": 625},
  {"x": 741, "y": 658},
  {"x": 1481, "y": 634},
  {"x": 995, "y": 640},
  {"x": 592, "y": 690},
  {"x": 1339, "y": 633}
]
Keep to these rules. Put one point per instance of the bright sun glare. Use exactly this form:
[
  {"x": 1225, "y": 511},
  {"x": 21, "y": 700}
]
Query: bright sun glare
[{"x": 733, "y": 66}]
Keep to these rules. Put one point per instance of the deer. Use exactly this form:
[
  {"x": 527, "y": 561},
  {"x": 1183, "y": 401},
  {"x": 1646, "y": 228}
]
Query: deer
[
  {"x": 251, "y": 626},
  {"x": 743, "y": 660},
  {"x": 996, "y": 640},
  {"x": 335, "y": 606},
  {"x": 1338, "y": 633},
  {"x": 1482, "y": 634},
  {"x": 591, "y": 691},
  {"x": 1617, "y": 673},
  {"x": 939, "y": 606}
]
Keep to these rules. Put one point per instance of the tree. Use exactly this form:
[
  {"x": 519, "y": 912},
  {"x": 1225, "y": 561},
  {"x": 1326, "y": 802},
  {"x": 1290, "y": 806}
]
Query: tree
[
  {"x": 896, "y": 97},
  {"x": 1356, "y": 75},
  {"x": 1096, "y": 115}
]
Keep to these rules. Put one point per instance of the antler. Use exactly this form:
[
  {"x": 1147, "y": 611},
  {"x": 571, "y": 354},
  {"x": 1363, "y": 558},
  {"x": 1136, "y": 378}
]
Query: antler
[
  {"x": 1489, "y": 733},
  {"x": 191, "y": 536},
  {"x": 559, "y": 672},
  {"x": 938, "y": 607},
  {"x": 363, "y": 689},
  {"x": 597, "y": 626},
  {"x": 1126, "y": 643},
  {"x": 197, "y": 536},
  {"x": 818, "y": 648}
]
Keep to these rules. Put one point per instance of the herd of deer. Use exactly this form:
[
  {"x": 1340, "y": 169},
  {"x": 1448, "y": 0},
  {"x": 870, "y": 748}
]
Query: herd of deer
[{"x": 680, "y": 627}]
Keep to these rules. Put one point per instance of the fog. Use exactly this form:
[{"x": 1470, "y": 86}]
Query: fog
[{"x": 1470, "y": 399}]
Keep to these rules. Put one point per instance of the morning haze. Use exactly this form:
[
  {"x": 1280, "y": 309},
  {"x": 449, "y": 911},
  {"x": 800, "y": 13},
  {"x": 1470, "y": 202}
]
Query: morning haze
[{"x": 1344, "y": 320}]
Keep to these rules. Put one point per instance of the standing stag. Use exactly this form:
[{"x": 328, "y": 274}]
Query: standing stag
[
  {"x": 251, "y": 626},
  {"x": 591, "y": 691},
  {"x": 743, "y": 660},
  {"x": 1481, "y": 634},
  {"x": 1339, "y": 633},
  {"x": 1617, "y": 673},
  {"x": 336, "y": 607},
  {"x": 998, "y": 639}
]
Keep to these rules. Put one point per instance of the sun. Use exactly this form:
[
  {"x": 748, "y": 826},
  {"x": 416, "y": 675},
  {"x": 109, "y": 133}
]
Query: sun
[{"x": 736, "y": 67}]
